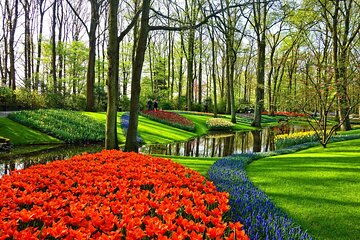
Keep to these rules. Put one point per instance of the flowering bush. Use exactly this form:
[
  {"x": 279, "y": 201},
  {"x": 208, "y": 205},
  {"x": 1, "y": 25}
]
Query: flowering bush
[
  {"x": 70, "y": 126},
  {"x": 219, "y": 124},
  {"x": 113, "y": 195},
  {"x": 287, "y": 140},
  {"x": 170, "y": 118},
  {"x": 249, "y": 205},
  {"x": 287, "y": 114}
]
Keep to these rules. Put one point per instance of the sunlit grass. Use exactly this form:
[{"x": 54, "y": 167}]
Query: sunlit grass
[
  {"x": 101, "y": 117},
  {"x": 149, "y": 130},
  {"x": 155, "y": 132},
  {"x": 21, "y": 135},
  {"x": 199, "y": 164},
  {"x": 318, "y": 187}
]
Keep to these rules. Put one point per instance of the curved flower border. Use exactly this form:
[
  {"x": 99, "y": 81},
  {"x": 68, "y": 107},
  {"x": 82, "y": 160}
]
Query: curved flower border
[
  {"x": 251, "y": 206},
  {"x": 170, "y": 118}
]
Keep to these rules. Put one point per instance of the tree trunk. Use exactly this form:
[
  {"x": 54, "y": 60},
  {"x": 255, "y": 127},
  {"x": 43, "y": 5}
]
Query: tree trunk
[
  {"x": 90, "y": 76},
  {"x": 111, "y": 140},
  {"x": 212, "y": 37},
  {"x": 200, "y": 68},
  {"x": 27, "y": 50},
  {"x": 260, "y": 19},
  {"x": 53, "y": 41},
  {"x": 13, "y": 22},
  {"x": 39, "y": 49},
  {"x": 190, "y": 69},
  {"x": 131, "y": 144}
]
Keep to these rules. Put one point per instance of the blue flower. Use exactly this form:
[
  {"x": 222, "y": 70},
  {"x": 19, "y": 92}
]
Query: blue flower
[{"x": 249, "y": 205}]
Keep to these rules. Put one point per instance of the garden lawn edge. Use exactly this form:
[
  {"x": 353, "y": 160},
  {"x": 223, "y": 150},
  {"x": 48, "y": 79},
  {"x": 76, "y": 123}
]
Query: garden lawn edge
[{"x": 250, "y": 205}]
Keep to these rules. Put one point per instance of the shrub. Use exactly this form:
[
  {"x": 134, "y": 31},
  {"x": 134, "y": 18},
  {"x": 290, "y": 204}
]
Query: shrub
[
  {"x": 170, "y": 118},
  {"x": 72, "y": 127},
  {"x": 113, "y": 195},
  {"x": 219, "y": 124},
  {"x": 29, "y": 99},
  {"x": 288, "y": 140}
]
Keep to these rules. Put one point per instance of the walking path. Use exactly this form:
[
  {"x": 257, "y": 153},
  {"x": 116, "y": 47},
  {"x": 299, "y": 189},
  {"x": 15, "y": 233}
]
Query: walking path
[{"x": 4, "y": 114}]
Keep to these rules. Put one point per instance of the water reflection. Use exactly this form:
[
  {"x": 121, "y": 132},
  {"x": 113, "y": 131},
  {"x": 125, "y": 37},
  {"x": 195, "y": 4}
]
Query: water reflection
[
  {"x": 45, "y": 156},
  {"x": 210, "y": 145},
  {"x": 224, "y": 144}
]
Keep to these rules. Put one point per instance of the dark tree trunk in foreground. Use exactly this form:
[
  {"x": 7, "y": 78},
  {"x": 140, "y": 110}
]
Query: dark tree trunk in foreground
[
  {"x": 131, "y": 143},
  {"x": 111, "y": 141}
]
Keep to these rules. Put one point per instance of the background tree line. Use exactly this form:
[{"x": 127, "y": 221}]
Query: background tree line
[{"x": 220, "y": 56}]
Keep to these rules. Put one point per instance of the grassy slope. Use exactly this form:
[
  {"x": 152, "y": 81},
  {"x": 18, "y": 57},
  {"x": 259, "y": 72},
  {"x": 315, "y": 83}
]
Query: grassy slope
[
  {"x": 317, "y": 187},
  {"x": 101, "y": 117},
  {"x": 150, "y": 131},
  {"x": 21, "y": 135},
  {"x": 200, "y": 122},
  {"x": 198, "y": 164}
]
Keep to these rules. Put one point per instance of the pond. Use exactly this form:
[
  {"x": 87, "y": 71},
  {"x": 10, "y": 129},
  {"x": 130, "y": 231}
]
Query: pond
[
  {"x": 220, "y": 144},
  {"x": 217, "y": 144}
]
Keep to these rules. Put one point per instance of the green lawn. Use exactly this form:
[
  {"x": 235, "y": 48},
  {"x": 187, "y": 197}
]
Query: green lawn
[
  {"x": 101, "y": 117},
  {"x": 21, "y": 135},
  {"x": 149, "y": 130},
  {"x": 319, "y": 188},
  {"x": 199, "y": 164},
  {"x": 200, "y": 122}
]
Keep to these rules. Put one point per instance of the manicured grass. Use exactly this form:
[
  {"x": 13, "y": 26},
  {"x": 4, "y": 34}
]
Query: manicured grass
[
  {"x": 201, "y": 128},
  {"x": 21, "y": 135},
  {"x": 101, "y": 117},
  {"x": 200, "y": 122},
  {"x": 149, "y": 130},
  {"x": 317, "y": 187},
  {"x": 155, "y": 132},
  {"x": 199, "y": 164}
]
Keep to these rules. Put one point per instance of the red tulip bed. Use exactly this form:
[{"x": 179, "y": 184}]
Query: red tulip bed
[
  {"x": 170, "y": 118},
  {"x": 287, "y": 114},
  {"x": 113, "y": 195}
]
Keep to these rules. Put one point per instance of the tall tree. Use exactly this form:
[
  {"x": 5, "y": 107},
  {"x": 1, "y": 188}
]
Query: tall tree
[
  {"x": 259, "y": 24},
  {"x": 344, "y": 26},
  {"x": 111, "y": 141},
  {"x": 13, "y": 14},
  {"x": 131, "y": 141},
  {"x": 96, "y": 6}
]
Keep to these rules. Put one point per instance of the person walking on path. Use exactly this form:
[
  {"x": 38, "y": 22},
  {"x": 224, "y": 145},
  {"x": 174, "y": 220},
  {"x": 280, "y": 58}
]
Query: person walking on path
[
  {"x": 150, "y": 104},
  {"x": 156, "y": 105}
]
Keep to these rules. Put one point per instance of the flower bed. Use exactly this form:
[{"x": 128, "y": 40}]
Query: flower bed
[
  {"x": 251, "y": 206},
  {"x": 170, "y": 118},
  {"x": 70, "y": 126},
  {"x": 288, "y": 140},
  {"x": 219, "y": 124},
  {"x": 113, "y": 195}
]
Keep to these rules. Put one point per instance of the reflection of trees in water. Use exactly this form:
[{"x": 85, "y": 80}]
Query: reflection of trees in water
[
  {"x": 215, "y": 145},
  {"x": 224, "y": 144},
  {"x": 45, "y": 156},
  {"x": 256, "y": 141}
]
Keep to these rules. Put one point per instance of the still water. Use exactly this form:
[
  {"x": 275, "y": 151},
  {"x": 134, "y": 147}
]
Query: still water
[
  {"x": 220, "y": 144},
  {"x": 217, "y": 144}
]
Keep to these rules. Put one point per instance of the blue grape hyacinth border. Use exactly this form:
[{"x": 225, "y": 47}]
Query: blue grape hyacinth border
[
  {"x": 251, "y": 206},
  {"x": 125, "y": 125}
]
